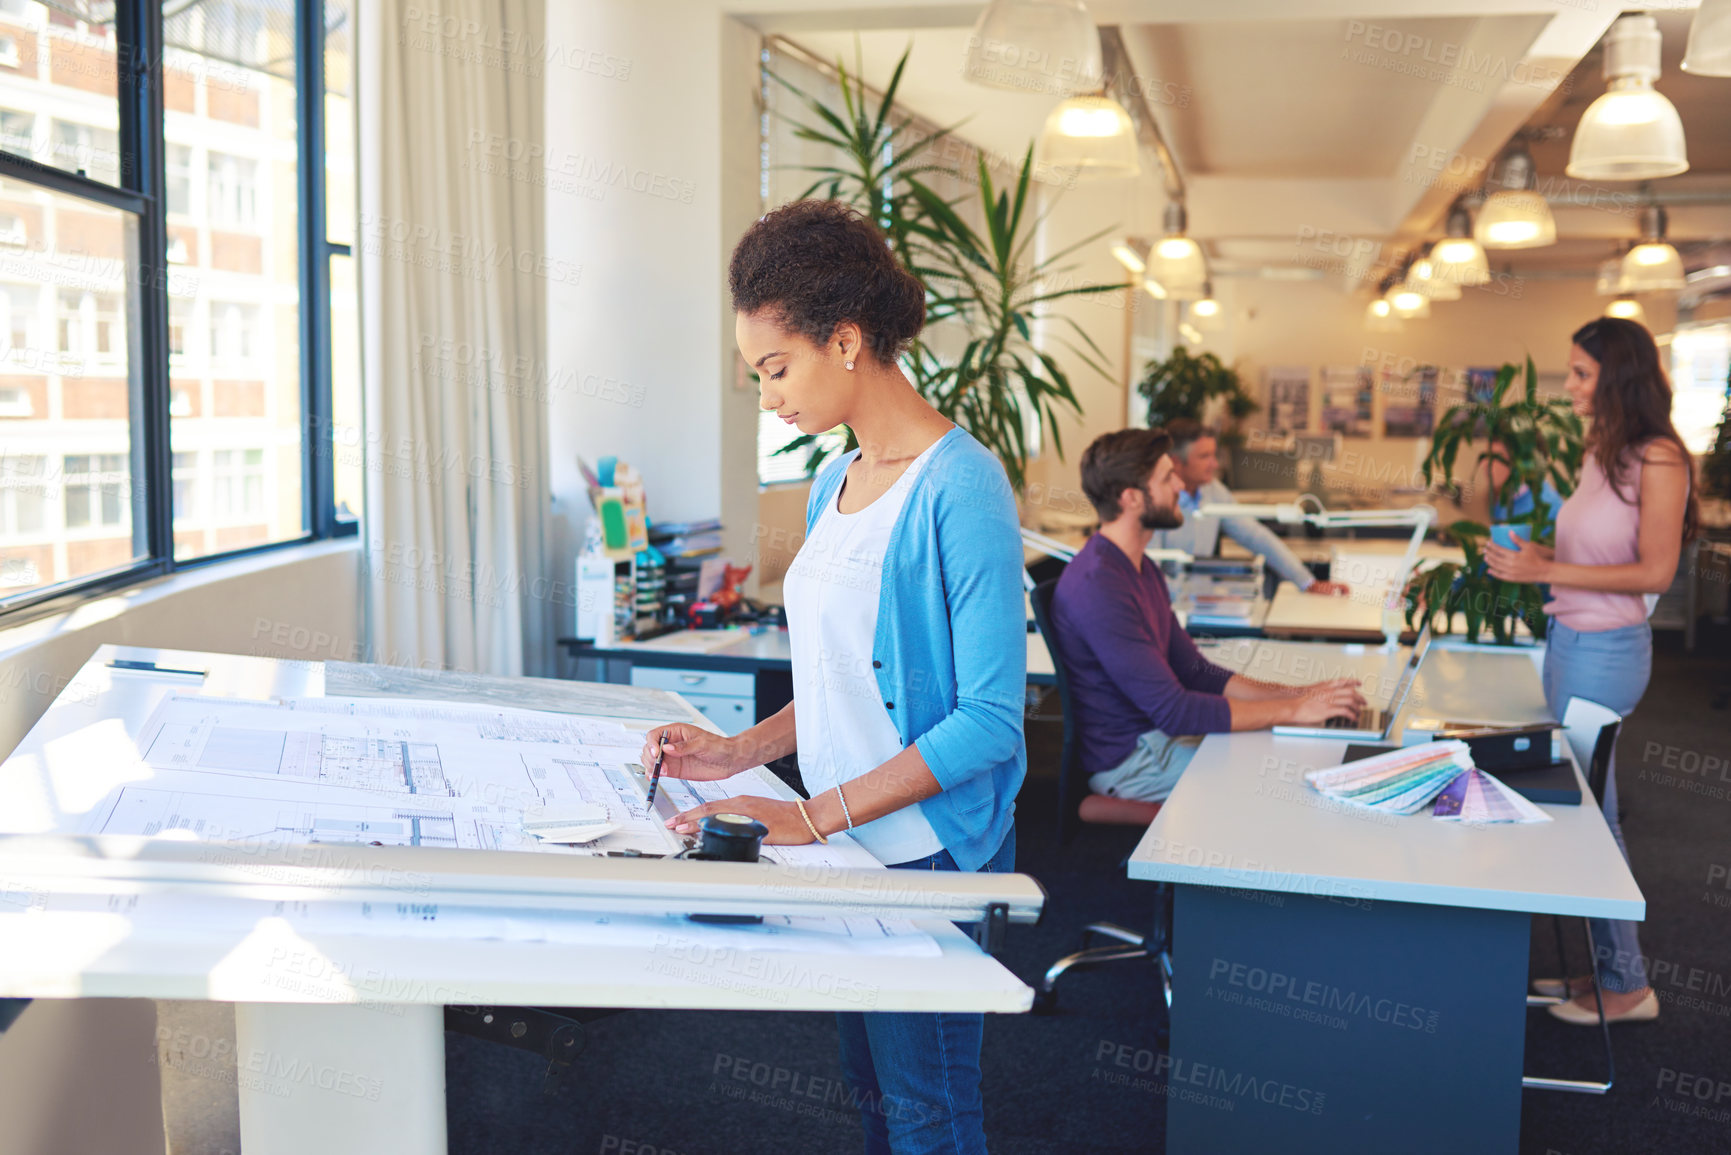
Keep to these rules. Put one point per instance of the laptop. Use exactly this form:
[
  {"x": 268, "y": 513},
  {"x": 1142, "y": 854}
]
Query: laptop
[{"x": 1373, "y": 722}]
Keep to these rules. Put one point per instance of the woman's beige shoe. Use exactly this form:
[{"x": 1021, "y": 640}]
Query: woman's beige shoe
[
  {"x": 1561, "y": 988},
  {"x": 1644, "y": 1011}
]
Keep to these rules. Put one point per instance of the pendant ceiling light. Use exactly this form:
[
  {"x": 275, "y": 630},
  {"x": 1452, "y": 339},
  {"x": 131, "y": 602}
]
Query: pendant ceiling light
[
  {"x": 1176, "y": 260},
  {"x": 1422, "y": 278},
  {"x": 1628, "y": 308},
  {"x": 1379, "y": 317},
  {"x": 1513, "y": 215},
  {"x": 1041, "y": 46},
  {"x": 1406, "y": 303},
  {"x": 1090, "y": 136},
  {"x": 1652, "y": 266},
  {"x": 1609, "y": 282},
  {"x": 1205, "y": 312},
  {"x": 1632, "y": 132},
  {"x": 1709, "y": 51},
  {"x": 1458, "y": 258}
]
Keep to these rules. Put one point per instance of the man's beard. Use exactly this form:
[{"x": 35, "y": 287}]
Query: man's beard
[{"x": 1153, "y": 517}]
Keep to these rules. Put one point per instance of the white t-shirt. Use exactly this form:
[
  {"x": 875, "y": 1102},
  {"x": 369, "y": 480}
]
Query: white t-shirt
[{"x": 840, "y": 722}]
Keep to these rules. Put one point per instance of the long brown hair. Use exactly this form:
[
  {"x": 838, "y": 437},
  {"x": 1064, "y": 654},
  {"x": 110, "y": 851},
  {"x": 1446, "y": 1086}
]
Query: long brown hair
[{"x": 1631, "y": 403}]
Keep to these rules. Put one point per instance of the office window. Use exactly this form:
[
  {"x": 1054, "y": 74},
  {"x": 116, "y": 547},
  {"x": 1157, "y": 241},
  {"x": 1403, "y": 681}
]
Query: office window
[
  {"x": 1700, "y": 364},
  {"x": 184, "y": 472},
  {"x": 238, "y": 142},
  {"x": 178, "y": 160},
  {"x": 96, "y": 487},
  {"x": 17, "y": 131},
  {"x": 237, "y": 477},
  {"x": 88, "y": 149},
  {"x": 233, "y": 191},
  {"x": 24, "y": 495}
]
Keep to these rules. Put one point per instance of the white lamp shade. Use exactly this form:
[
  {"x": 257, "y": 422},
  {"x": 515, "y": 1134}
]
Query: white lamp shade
[
  {"x": 1206, "y": 314},
  {"x": 1091, "y": 136},
  {"x": 1630, "y": 133},
  {"x": 1039, "y": 46},
  {"x": 1460, "y": 261},
  {"x": 1609, "y": 282},
  {"x": 1380, "y": 317},
  {"x": 1515, "y": 219},
  {"x": 1709, "y": 51},
  {"x": 1177, "y": 263},
  {"x": 1422, "y": 278},
  {"x": 1408, "y": 303},
  {"x": 1652, "y": 267},
  {"x": 1628, "y": 308}
]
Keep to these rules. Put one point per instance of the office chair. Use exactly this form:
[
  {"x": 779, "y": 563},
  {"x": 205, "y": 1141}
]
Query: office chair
[
  {"x": 1099, "y": 809},
  {"x": 1591, "y": 731}
]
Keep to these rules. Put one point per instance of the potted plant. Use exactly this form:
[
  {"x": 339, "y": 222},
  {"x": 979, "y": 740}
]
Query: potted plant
[
  {"x": 1536, "y": 441},
  {"x": 1001, "y": 382},
  {"x": 1183, "y": 384}
]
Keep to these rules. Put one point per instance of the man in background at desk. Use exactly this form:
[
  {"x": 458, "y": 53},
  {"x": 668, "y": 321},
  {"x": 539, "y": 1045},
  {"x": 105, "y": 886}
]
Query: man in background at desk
[
  {"x": 1141, "y": 691},
  {"x": 1196, "y": 453}
]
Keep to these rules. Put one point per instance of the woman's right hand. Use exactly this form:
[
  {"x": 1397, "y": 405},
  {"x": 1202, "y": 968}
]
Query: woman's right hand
[{"x": 692, "y": 752}]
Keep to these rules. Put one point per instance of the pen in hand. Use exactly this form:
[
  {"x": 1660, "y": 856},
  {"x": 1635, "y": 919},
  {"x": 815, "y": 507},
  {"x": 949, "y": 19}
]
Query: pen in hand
[{"x": 655, "y": 775}]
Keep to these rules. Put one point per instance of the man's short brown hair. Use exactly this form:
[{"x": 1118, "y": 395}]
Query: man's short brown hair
[{"x": 1119, "y": 461}]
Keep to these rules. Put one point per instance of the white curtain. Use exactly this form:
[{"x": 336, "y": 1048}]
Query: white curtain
[{"x": 453, "y": 313}]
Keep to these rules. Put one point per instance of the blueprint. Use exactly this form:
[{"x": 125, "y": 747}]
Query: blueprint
[{"x": 402, "y": 772}]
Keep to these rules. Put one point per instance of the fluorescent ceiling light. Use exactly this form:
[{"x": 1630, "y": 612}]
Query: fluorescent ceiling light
[
  {"x": 1129, "y": 257},
  {"x": 1038, "y": 46},
  {"x": 1631, "y": 132},
  {"x": 1155, "y": 288},
  {"x": 1709, "y": 51},
  {"x": 1091, "y": 136}
]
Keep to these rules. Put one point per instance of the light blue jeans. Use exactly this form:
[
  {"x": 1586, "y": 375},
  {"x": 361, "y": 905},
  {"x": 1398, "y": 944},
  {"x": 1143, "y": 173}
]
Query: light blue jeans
[
  {"x": 916, "y": 1077},
  {"x": 1610, "y": 667}
]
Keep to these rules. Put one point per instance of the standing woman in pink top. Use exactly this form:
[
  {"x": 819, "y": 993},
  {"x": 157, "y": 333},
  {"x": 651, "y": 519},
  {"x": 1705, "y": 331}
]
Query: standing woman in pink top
[{"x": 1619, "y": 537}]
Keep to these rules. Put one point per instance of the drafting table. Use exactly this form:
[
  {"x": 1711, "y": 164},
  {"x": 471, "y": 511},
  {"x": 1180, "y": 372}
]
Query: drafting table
[
  {"x": 366, "y": 1010},
  {"x": 1399, "y": 941}
]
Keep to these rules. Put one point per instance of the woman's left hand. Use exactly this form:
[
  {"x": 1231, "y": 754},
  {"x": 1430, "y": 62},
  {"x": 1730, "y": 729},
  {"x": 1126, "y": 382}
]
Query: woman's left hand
[
  {"x": 786, "y": 827},
  {"x": 1526, "y": 563}
]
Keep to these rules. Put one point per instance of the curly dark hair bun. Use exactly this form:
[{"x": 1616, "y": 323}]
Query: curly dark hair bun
[{"x": 815, "y": 264}]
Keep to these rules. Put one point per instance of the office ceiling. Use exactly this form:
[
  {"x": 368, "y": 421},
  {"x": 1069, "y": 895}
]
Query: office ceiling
[{"x": 1284, "y": 127}]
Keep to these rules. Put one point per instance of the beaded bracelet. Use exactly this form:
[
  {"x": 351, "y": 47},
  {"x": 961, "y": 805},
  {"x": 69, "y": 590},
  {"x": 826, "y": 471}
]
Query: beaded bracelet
[{"x": 809, "y": 825}]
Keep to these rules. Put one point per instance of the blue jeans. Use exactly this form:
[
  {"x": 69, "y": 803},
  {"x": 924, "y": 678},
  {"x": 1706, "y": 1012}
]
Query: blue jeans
[
  {"x": 1610, "y": 667},
  {"x": 916, "y": 1077}
]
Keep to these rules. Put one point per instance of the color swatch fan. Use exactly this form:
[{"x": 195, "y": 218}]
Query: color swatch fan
[{"x": 1404, "y": 781}]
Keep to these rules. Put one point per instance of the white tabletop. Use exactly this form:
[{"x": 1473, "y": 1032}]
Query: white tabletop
[
  {"x": 1242, "y": 815},
  {"x": 45, "y": 786}
]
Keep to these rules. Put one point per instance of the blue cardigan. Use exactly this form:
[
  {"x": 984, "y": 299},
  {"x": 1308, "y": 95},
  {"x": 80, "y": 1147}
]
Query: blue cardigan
[{"x": 951, "y": 649}]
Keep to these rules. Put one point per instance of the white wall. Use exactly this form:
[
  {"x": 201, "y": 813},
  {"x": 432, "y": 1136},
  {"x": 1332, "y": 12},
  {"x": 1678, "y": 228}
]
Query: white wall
[{"x": 646, "y": 328}]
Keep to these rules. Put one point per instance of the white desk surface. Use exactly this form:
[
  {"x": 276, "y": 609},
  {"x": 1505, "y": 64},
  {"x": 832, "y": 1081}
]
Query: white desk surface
[
  {"x": 1292, "y": 611},
  {"x": 1242, "y": 815},
  {"x": 43, "y": 787}
]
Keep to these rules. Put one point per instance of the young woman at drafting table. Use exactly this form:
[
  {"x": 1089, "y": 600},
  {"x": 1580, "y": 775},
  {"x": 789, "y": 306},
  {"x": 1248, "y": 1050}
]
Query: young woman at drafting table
[{"x": 906, "y": 621}]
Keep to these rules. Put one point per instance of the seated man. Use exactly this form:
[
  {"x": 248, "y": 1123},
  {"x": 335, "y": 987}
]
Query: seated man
[
  {"x": 1196, "y": 453},
  {"x": 1141, "y": 691}
]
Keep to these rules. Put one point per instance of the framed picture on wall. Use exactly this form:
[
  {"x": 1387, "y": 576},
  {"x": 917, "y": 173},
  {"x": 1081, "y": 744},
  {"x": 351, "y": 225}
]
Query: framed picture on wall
[
  {"x": 1288, "y": 399},
  {"x": 1348, "y": 400},
  {"x": 1481, "y": 384},
  {"x": 1410, "y": 410}
]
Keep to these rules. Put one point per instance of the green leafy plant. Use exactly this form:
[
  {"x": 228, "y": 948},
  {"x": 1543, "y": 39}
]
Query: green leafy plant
[
  {"x": 1536, "y": 441},
  {"x": 1183, "y": 384},
  {"x": 982, "y": 280},
  {"x": 1716, "y": 465}
]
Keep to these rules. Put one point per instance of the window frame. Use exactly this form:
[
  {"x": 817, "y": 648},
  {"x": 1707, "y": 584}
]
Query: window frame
[{"x": 143, "y": 193}]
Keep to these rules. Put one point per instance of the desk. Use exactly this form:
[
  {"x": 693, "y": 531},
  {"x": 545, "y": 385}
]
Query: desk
[
  {"x": 734, "y": 678},
  {"x": 1370, "y": 968},
  {"x": 370, "y": 1006}
]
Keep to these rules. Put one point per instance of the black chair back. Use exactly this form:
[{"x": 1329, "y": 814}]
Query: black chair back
[
  {"x": 1600, "y": 767},
  {"x": 1070, "y": 789}
]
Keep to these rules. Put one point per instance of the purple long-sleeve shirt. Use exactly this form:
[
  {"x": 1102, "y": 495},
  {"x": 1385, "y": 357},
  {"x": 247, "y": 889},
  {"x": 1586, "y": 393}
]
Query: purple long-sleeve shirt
[{"x": 1131, "y": 666}]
